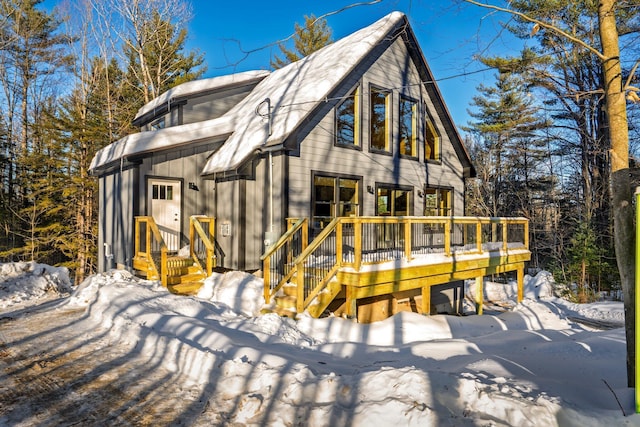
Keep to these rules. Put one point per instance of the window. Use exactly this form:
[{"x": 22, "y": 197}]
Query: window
[
  {"x": 162, "y": 192},
  {"x": 347, "y": 120},
  {"x": 379, "y": 119},
  {"x": 158, "y": 124},
  {"x": 334, "y": 196},
  {"x": 431, "y": 142},
  {"x": 394, "y": 201},
  {"x": 437, "y": 202},
  {"x": 408, "y": 123}
]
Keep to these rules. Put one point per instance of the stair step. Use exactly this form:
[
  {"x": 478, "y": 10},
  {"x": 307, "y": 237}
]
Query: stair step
[
  {"x": 283, "y": 312},
  {"x": 286, "y": 302},
  {"x": 290, "y": 290},
  {"x": 185, "y": 278},
  {"x": 187, "y": 288}
]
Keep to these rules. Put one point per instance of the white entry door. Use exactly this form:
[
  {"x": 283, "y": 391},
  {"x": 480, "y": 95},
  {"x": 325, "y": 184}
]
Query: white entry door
[{"x": 164, "y": 206}]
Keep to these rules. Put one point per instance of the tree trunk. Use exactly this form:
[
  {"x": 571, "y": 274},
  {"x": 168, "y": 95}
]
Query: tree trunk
[{"x": 620, "y": 183}]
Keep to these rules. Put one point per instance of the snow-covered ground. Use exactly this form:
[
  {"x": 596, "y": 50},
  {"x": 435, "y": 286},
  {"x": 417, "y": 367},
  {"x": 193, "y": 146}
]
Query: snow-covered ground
[{"x": 122, "y": 351}]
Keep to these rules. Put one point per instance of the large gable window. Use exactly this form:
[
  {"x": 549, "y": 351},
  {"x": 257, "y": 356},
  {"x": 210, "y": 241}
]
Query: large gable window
[
  {"x": 408, "y": 124},
  {"x": 348, "y": 120},
  {"x": 431, "y": 141},
  {"x": 379, "y": 119}
]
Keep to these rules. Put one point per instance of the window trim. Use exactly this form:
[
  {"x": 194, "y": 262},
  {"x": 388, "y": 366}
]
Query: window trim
[
  {"x": 388, "y": 121},
  {"x": 438, "y": 189},
  {"x": 395, "y": 187},
  {"x": 414, "y": 127},
  {"x": 429, "y": 123},
  {"x": 337, "y": 176},
  {"x": 357, "y": 120}
]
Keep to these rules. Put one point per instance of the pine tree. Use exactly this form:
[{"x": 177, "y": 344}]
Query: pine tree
[
  {"x": 315, "y": 34},
  {"x": 32, "y": 53},
  {"x": 85, "y": 124},
  {"x": 513, "y": 162}
]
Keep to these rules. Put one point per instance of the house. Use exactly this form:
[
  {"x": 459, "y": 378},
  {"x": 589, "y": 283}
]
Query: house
[
  {"x": 357, "y": 128},
  {"x": 352, "y": 144}
]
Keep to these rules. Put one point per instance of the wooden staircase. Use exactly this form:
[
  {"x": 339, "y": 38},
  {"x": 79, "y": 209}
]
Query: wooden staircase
[
  {"x": 184, "y": 276},
  {"x": 286, "y": 301}
]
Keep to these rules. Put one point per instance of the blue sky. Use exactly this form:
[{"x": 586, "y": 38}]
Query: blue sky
[{"x": 451, "y": 34}]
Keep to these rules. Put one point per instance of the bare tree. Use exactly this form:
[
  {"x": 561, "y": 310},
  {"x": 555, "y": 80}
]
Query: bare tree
[{"x": 137, "y": 30}]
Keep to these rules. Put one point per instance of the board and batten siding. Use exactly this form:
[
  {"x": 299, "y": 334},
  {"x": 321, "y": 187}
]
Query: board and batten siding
[
  {"x": 395, "y": 71},
  {"x": 182, "y": 165},
  {"x": 117, "y": 193},
  {"x": 242, "y": 207}
]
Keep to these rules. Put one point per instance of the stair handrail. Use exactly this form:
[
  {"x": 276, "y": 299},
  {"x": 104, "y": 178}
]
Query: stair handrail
[
  {"x": 300, "y": 224},
  {"x": 150, "y": 237},
  {"x": 306, "y": 291},
  {"x": 196, "y": 231},
  {"x": 303, "y": 301}
]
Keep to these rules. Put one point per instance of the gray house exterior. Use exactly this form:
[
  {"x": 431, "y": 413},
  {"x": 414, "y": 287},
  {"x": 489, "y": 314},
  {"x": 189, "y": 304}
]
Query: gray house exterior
[{"x": 357, "y": 128}]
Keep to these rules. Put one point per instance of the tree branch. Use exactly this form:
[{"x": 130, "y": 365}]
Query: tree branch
[{"x": 543, "y": 25}]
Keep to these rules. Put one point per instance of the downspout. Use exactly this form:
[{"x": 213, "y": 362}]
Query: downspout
[
  {"x": 268, "y": 116},
  {"x": 270, "y": 191}
]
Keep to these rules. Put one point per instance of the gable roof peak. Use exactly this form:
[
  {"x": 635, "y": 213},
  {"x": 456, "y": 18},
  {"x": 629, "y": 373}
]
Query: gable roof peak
[{"x": 295, "y": 90}]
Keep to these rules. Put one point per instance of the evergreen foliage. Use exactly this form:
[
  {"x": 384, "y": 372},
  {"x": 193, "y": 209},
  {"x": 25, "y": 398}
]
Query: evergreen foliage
[
  {"x": 48, "y": 137},
  {"x": 568, "y": 83},
  {"x": 314, "y": 35},
  {"x": 512, "y": 158}
]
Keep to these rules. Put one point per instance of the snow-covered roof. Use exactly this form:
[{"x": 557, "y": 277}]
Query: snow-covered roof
[
  {"x": 294, "y": 92},
  {"x": 145, "y": 142},
  {"x": 200, "y": 86}
]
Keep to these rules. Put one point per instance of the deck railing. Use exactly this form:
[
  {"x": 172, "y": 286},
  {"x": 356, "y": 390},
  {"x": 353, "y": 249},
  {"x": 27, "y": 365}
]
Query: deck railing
[
  {"x": 357, "y": 241},
  {"x": 201, "y": 242},
  {"x": 278, "y": 260},
  {"x": 150, "y": 245}
]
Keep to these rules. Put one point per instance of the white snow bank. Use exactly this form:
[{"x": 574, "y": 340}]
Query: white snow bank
[
  {"x": 242, "y": 292},
  {"x": 26, "y": 282},
  {"x": 527, "y": 366}
]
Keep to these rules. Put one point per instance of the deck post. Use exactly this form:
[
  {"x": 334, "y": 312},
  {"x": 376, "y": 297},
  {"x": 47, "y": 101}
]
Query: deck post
[
  {"x": 426, "y": 300},
  {"x": 266, "y": 275},
  {"x": 350, "y": 304},
  {"x": 520, "y": 273},
  {"x": 479, "y": 294},
  {"x": 357, "y": 243},
  {"x": 408, "y": 227}
]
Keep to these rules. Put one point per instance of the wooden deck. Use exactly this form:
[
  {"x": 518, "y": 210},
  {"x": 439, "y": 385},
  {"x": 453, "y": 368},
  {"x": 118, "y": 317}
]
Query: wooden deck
[{"x": 362, "y": 259}]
